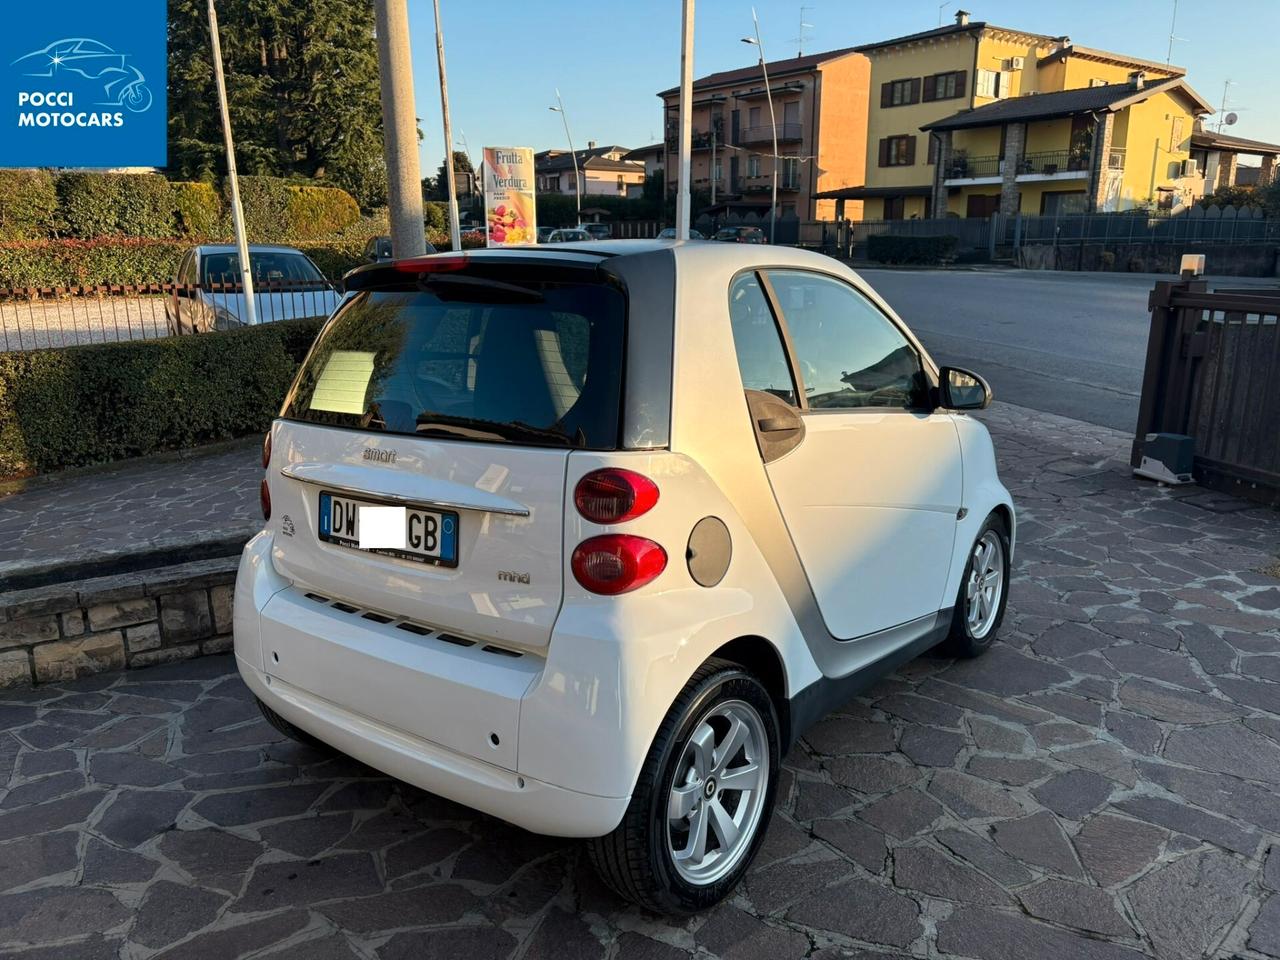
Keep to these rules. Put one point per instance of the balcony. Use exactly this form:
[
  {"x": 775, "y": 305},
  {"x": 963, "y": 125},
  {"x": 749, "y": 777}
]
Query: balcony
[
  {"x": 787, "y": 132},
  {"x": 764, "y": 184},
  {"x": 1050, "y": 164},
  {"x": 700, "y": 140},
  {"x": 1055, "y": 163}
]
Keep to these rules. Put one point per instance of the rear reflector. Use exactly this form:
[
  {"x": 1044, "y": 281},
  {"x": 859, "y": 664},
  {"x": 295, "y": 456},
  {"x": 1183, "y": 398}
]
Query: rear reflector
[
  {"x": 434, "y": 263},
  {"x": 614, "y": 495},
  {"x": 264, "y": 496},
  {"x": 617, "y": 563}
]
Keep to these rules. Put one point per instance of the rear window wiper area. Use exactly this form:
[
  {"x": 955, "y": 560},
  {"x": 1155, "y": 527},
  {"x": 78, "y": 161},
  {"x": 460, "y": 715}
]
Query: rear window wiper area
[
  {"x": 473, "y": 428},
  {"x": 452, "y": 286}
]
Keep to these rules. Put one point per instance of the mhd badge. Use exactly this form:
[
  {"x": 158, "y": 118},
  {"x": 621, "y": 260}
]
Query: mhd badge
[{"x": 84, "y": 86}]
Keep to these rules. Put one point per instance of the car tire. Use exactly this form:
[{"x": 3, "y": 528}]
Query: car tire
[
  {"x": 651, "y": 856},
  {"x": 290, "y": 731},
  {"x": 984, "y": 591}
]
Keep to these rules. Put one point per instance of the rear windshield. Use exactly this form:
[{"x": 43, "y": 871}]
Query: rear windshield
[{"x": 472, "y": 360}]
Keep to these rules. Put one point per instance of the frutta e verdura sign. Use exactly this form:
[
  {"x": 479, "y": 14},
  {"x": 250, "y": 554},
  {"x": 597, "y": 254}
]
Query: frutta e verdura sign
[
  {"x": 84, "y": 84},
  {"x": 511, "y": 217}
]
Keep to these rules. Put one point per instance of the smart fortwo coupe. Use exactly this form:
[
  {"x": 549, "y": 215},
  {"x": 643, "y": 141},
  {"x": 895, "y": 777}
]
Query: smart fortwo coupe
[{"x": 661, "y": 506}]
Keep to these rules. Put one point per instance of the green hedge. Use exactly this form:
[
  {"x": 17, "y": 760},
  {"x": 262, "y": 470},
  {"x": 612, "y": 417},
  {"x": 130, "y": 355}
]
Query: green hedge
[
  {"x": 199, "y": 210},
  {"x": 885, "y": 248},
  {"x": 276, "y": 209},
  {"x": 116, "y": 204},
  {"x": 96, "y": 404},
  {"x": 28, "y": 204}
]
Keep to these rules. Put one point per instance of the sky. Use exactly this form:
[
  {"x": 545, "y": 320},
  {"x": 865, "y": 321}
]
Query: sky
[{"x": 609, "y": 58}]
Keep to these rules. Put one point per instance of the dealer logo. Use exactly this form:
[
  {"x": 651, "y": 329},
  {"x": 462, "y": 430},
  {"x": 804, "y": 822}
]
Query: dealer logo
[{"x": 83, "y": 73}]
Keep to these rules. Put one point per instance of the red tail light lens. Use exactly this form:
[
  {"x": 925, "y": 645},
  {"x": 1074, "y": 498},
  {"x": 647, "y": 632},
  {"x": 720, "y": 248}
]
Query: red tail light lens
[
  {"x": 434, "y": 263},
  {"x": 266, "y": 450},
  {"x": 613, "y": 495},
  {"x": 264, "y": 496},
  {"x": 617, "y": 563}
]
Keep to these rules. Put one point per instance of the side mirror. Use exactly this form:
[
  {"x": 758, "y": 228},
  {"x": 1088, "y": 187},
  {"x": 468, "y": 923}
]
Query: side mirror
[{"x": 962, "y": 390}]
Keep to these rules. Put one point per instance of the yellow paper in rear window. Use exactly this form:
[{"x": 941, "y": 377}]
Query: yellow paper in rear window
[{"x": 344, "y": 382}]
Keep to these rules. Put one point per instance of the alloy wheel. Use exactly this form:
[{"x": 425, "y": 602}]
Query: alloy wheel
[
  {"x": 717, "y": 794},
  {"x": 985, "y": 586}
]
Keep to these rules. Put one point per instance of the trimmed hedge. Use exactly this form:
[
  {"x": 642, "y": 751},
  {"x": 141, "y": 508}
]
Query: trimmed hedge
[
  {"x": 199, "y": 211},
  {"x": 28, "y": 204},
  {"x": 276, "y": 209},
  {"x": 95, "y": 404},
  {"x": 115, "y": 204},
  {"x": 885, "y": 248}
]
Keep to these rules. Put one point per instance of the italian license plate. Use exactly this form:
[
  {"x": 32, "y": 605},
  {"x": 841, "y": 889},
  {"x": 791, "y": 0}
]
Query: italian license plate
[{"x": 431, "y": 536}]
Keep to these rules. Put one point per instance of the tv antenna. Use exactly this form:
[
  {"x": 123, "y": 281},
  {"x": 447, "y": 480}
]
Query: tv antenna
[
  {"x": 799, "y": 40},
  {"x": 1222, "y": 111},
  {"x": 1173, "y": 39}
]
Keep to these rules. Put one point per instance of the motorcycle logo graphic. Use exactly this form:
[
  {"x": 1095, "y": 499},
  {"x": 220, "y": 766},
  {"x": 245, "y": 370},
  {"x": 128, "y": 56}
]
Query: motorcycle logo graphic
[{"x": 121, "y": 83}]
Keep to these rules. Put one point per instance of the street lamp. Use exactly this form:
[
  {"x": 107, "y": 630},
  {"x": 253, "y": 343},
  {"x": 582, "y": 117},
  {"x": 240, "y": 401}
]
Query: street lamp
[
  {"x": 577, "y": 179},
  {"x": 773, "y": 203}
]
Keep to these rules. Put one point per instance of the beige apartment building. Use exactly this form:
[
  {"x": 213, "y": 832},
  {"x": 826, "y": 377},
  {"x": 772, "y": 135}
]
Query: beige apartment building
[{"x": 820, "y": 108}]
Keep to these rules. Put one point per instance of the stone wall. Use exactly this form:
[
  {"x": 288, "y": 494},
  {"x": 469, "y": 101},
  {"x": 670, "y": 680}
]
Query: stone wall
[{"x": 60, "y": 632}]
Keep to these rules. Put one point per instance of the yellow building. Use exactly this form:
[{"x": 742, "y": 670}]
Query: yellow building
[{"x": 972, "y": 118}]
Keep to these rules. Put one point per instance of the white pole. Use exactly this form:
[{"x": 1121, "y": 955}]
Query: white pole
[
  {"x": 686, "y": 122},
  {"x": 237, "y": 213},
  {"x": 577, "y": 177},
  {"x": 400, "y": 129},
  {"x": 455, "y": 232},
  {"x": 773, "y": 205}
]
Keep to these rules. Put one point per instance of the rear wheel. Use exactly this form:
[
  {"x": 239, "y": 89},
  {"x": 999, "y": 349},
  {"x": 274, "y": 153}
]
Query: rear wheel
[
  {"x": 703, "y": 797},
  {"x": 984, "y": 591},
  {"x": 290, "y": 731}
]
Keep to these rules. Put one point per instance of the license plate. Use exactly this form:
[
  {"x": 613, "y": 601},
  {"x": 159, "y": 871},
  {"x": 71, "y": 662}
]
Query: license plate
[{"x": 431, "y": 536}]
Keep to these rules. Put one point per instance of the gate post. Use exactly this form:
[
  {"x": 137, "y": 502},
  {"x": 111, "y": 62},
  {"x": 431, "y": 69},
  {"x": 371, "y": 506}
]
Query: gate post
[{"x": 1166, "y": 379}]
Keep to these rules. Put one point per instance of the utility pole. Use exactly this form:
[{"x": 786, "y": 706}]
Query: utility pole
[
  {"x": 773, "y": 122},
  {"x": 573, "y": 155},
  {"x": 455, "y": 232},
  {"x": 400, "y": 130},
  {"x": 237, "y": 212},
  {"x": 686, "y": 122},
  {"x": 713, "y": 161}
]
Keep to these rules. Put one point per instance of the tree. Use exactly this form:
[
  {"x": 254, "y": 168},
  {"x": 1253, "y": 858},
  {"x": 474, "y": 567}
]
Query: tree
[{"x": 302, "y": 85}]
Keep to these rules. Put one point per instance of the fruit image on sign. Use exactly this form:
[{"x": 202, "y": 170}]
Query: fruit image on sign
[{"x": 511, "y": 218}]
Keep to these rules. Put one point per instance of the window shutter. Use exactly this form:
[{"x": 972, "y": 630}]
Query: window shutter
[
  {"x": 884, "y": 151},
  {"x": 930, "y": 88},
  {"x": 960, "y": 75},
  {"x": 886, "y": 94},
  {"x": 911, "y": 150},
  {"x": 915, "y": 90}
]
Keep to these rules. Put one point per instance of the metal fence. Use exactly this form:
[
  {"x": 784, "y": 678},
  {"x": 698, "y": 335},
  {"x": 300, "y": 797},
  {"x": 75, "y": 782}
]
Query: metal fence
[
  {"x": 38, "y": 318},
  {"x": 1212, "y": 360}
]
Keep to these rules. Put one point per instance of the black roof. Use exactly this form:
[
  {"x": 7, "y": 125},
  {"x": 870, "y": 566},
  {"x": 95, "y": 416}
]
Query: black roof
[{"x": 1061, "y": 103}]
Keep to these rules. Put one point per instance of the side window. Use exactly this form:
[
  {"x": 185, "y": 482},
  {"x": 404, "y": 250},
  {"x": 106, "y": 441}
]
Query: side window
[
  {"x": 849, "y": 354},
  {"x": 762, "y": 360}
]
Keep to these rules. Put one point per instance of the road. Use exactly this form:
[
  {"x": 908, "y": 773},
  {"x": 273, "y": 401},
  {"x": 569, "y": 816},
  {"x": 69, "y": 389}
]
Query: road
[{"x": 1067, "y": 343}]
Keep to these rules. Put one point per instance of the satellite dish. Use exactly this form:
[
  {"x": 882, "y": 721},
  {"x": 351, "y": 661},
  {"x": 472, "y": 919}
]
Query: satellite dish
[{"x": 1230, "y": 118}]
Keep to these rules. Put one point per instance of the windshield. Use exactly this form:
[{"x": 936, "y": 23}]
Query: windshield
[
  {"x": 472, "y": 359},
  {"x": 268, "y": 267}
]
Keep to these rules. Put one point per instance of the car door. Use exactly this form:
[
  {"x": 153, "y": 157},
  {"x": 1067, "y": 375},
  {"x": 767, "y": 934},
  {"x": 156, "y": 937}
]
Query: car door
[{"x": 865, "y": 472}]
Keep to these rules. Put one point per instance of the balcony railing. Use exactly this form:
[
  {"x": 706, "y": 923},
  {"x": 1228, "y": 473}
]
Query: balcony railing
[
  {"x": 964, "y": 167},
  {"x": 1052, "y": 162},
  {"x": 764, "y": 184},
  {"x": 1045, "y": 163},
  {"x": 764, "y": 133}
]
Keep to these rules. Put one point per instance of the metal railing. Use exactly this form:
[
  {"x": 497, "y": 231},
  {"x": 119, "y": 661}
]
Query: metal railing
[
  {"x": 764, "y": 133},
  {"x": 41, "y": 318},
  {"x": 964, "y": 167},
  {"x": 1210, "y": 374},
  {"x": 1049, "y": 162}
]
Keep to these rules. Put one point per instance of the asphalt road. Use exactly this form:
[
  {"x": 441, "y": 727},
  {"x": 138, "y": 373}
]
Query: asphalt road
[{"x": 1073, "y": 344}]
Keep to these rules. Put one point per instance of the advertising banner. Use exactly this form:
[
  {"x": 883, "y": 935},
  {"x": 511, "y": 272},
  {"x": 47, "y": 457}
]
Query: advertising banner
[
  {"x": 510, "y": 215},
  {"x": 83, "y": 83}
]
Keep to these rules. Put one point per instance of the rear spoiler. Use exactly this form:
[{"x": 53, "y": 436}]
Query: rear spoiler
[{"x": 527, "y": 263}]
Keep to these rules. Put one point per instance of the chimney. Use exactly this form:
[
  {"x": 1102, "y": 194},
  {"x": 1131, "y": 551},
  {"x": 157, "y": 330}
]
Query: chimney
[
  {"x": 962, "y": 18},
  {"x": 1137, "y": 79},
  {"x": 591, "y": 144}
]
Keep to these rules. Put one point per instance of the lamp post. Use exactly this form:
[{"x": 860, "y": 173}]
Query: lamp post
[
  {"x": 455, "y": 234},
  {"x": 577, "y": 178},
  {"x": 764, "y": 69}
]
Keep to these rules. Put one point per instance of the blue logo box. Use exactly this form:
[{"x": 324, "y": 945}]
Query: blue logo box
[{"x": 83, "y": 84}]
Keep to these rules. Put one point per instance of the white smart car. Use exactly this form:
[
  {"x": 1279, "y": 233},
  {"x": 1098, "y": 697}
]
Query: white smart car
[{"x": 656, "y": 508}]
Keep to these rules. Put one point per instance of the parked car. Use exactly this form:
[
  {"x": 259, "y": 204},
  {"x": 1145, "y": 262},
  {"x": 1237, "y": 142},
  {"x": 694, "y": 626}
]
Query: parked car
[
  {"x": 207, "y": 293},
  {"x": 568, "y": 235},
  {"x": 677, "y": 505},
  {"x": 741, "y": 235},
  {"x": 598, "y": 231},
  {"x": 670, "y": 234},
  {"x": 378, "y": 249}
]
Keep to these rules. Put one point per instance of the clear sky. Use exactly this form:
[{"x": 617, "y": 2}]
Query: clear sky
[{"x": 609, "y": 58}]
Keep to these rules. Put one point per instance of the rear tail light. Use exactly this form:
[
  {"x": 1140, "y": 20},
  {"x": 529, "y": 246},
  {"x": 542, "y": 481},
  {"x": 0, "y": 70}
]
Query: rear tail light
[
  {"x": 434, "y": 263},
  {"x": 264, "y": 496},
  {"x": 617, "y": 563},
  {"x": 614, "y": 495},
  {"x": 266, "y": 450}
]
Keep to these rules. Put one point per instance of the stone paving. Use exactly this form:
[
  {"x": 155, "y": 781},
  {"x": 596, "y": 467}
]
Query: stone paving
[
  {"x": 148, "y": 504},
  {"x": 1102, "y": 785}
]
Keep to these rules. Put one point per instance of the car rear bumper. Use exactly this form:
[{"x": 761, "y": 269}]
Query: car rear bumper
[{"x": 443, "y": 718}]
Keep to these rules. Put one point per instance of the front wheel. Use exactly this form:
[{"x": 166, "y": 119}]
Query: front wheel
[
  {"x": 984, "y": 591},
  {"x": 703, "y": 798}
]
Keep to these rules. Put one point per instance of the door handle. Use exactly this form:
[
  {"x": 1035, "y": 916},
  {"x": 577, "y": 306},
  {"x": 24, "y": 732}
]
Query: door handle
[{"x": 777, "y": 424}]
